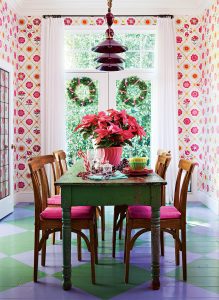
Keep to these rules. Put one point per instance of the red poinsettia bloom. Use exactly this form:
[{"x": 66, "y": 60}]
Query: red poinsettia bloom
[{"x": 111, "y": 128}]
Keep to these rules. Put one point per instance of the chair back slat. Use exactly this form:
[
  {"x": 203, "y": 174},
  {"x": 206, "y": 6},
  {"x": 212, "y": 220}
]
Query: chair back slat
[
  {"x": 186, "y": 168},
  {"x": 37, "y": 166},
  {"x": 162, "y": 164},
  {"x": 60, "y": 157}
]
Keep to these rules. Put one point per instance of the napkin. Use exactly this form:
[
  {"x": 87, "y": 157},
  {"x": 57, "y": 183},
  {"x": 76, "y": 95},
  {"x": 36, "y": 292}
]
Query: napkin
[{"x": 116, "y": 175}]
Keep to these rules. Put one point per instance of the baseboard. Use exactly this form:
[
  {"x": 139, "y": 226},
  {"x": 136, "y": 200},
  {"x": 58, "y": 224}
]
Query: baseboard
[
  {"x": 211, "y": 203},
  {"x": 23, "y": 197}
]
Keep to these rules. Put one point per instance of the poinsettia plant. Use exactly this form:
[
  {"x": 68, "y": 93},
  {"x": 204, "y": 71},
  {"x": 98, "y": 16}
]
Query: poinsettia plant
[{"x": 110, "y": 129}]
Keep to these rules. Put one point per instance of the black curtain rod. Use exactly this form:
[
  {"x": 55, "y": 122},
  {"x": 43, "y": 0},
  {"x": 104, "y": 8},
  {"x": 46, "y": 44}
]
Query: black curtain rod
[{"x": 66, "y": 16}]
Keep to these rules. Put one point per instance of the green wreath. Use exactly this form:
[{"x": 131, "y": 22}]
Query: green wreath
[
  {"x": 72, "y": 90},
  {"x": 122, "y": 93}
]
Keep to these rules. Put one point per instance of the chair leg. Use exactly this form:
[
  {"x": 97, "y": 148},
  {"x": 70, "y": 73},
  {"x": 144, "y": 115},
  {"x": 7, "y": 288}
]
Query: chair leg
[
  {"x": 36, "y": 250},
  {"x": 120, "y": 230},
  {"x": 115, "y": 216},
  {"x": 162, "y": 243},
  {"x": 102, "y": 209},
  {"x": 43, "y": 252},
  {"x": 184, "y": 260},
  {"x": 92, "y": 251},
  {"x": 96, "y": 240},
  {"x": 127, "y": 254},
  {"x": 79, "y": 246},
  {"x": 124, "y": 258},
  {"x": 61, "y": 235},
  {"x": 53, "y": 238},
  {"x": 177, "y": 249}
]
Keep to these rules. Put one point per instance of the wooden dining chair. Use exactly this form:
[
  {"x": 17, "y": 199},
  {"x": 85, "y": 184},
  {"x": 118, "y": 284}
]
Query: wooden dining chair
[
  {"x": 172, "y": 219},
  {"x": 48, "y": 219},
  {"x": 162, "y": 164}
]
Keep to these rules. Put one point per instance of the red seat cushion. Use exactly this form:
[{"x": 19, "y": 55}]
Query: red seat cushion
[
  {"x": 77, "y": 212},
  {"x": 54, "y": 200},
  {"x": 144, "y": 212}
]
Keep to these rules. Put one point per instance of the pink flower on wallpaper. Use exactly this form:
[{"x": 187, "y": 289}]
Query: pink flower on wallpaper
[
  {"x": 131, "y": 21},
  {"x": 186, "y": 121},
  {"x": 21, "y": 40},
  {"x": 37, "y": 112},
  {"x": 36, "y": 58},
  {"x": 29, "y": 85},
  {"x": 29, "y": 102},
  {"x": 36, "y": 94},
  {"x": 180, "y": 75},
  {"x": 178, "y": 39},
  {"x": 21, "y": 58},
  {"x": 29, "y": 26},
  {"x": 29, "y": 153},
  {"x": 68, "y": 21},
  {"x": 36, "y": 148},
  {"x": 194, "y": 21},
  {"x": 36, "y": 21},
  {"x": 194, "y": 147},
  {"x": 194, "y": 57},
  {"x": 21, "y": 76},
  {"x": 179, "y": 112},
  {"x": 194, "y": 94},
  {"x": 29, "y": 35},
  {"x": 36, "y": 131},
  {"x": 28, "y": 140},
  {"x": 0, "y": 21},
  {"x": 194, "y": 130},
  {"x": 29, "y": 121},
  {"x": 179, "y": 56},
  {"x": 187, "y": 152},
  {"x": 187, "y": 139},
  {"x": 21, "y": 184},
  {"x": 195, "y": 38},
  {"x": 21, "y": 113},
  {"x": 21, "y": 130},
  {"x": 21, "y": 166},
  {"x": 186, "y": 84},
  {"x": 194, "y": 112},
  {"x": 21, "y": 93},
  {"x": 99, "y": 21},
  {"x": 186, "y": 102},
  {"x": 179, "y": 130},
  {"x": 37, "y": 39}
]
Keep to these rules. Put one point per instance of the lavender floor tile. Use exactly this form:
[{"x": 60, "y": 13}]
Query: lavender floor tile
[
  {"x": 47, "y": 288},
  {"x": 8, "y": 229}
]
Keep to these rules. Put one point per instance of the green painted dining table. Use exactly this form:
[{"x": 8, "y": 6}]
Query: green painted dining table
[{"x": 144, "y": 190}]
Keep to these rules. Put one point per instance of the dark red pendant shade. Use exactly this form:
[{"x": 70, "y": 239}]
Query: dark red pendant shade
[{"x": 109, "y": 60}]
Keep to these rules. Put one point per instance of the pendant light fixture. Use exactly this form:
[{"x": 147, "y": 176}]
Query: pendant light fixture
[{"x": 110, "y": 60}]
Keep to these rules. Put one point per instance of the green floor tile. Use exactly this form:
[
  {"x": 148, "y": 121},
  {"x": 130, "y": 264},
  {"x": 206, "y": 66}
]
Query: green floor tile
[
  {"x": 14, "y": 273},
  {"x": 26, "y": 223},
  {"x": 109, "y": 278}
]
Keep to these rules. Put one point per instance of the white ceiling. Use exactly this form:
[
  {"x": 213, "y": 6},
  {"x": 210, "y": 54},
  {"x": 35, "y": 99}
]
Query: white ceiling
[{"x": 99, "y": 7}]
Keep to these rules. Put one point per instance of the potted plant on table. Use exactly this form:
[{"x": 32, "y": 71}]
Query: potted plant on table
[{"x": 110, "y": 131}]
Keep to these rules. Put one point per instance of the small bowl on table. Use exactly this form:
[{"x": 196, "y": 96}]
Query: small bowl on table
[{"x": 138, "y": 163}]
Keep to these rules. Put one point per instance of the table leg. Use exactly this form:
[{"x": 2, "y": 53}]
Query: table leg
[
  {"x": 66, "y": 246},
  {"x": 155, "y": 247}
]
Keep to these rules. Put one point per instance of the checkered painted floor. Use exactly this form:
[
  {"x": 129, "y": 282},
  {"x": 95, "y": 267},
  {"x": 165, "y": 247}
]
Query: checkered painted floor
[{"x": 16, "y": 259}]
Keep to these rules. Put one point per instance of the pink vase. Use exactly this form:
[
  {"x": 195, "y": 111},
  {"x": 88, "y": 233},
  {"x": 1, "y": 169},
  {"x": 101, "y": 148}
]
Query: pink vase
[{"x": 112, "y": 155}]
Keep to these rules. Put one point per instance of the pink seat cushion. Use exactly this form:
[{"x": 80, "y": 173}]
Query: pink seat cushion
[
  {"x": 77, "y": 212},
  {"x": 144, "y": 212},
  {"x": 54, "y": 200}
]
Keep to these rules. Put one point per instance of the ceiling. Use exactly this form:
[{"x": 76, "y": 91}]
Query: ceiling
[{"x": 99, "y": 7}]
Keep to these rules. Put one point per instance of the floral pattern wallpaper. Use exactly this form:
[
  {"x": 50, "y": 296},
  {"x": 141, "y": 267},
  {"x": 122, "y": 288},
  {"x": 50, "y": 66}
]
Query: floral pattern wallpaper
[
  {"x": 209, "y": 120},
  {"x": 198, "y": 107}
]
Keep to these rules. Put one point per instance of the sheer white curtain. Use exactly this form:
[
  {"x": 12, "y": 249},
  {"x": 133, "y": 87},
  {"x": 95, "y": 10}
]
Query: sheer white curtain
[
  {"x": 164, "y": 106},
  {"x": 53, "y": 135}
]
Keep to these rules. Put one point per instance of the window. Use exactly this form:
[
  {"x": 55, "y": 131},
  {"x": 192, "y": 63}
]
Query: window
[{"x": 79, "y": 62}]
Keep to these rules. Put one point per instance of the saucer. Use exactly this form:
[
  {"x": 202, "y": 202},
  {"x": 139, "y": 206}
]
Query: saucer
[{"x": 144, "y": 172}]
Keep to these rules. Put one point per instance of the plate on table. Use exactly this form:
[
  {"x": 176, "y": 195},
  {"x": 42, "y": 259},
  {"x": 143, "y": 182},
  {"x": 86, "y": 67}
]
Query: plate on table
[{"x": 144, "y": 172}]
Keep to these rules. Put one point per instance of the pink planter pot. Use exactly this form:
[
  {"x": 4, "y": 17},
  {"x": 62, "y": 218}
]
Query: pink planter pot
[{"x": 112, "y": 155}]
